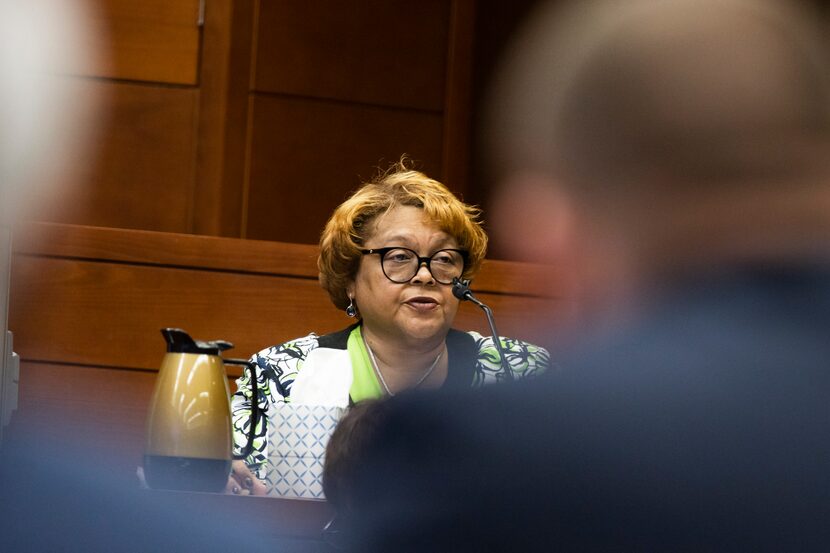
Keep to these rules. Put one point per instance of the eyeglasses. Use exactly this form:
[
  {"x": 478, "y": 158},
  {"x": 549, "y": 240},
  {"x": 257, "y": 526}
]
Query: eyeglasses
[{"x": 400, "y": 265}]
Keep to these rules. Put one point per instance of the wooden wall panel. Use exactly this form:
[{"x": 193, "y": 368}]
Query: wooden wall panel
[
  {"x": 145, "y": 40},
  {"x": 141, "y": 174},
  {"x": 99, "y": 296},
  {"x": 172, "y": 250},
  {"x": 513, "y": 278},
  {"x": 385, "y": 52},
  {"x": 307, "y": 156},
  {"x": 457, "y": 110},
  {"x": 223, "y": 117},
  {"x": 76, "y": 405},
  {"x": 267, "y": 103},
  {"x": 110, "y": 314}
]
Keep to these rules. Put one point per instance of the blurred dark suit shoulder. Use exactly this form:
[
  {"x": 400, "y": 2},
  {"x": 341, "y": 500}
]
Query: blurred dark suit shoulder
[{"x": 705, "y": 425}]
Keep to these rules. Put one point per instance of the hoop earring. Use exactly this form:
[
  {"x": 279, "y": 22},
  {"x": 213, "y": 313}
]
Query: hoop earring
[{"x": 351, "y": 309}]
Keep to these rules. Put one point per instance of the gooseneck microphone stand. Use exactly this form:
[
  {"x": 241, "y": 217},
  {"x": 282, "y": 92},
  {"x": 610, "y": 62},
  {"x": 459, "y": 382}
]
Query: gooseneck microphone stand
[{"x": 461, "y": 290}]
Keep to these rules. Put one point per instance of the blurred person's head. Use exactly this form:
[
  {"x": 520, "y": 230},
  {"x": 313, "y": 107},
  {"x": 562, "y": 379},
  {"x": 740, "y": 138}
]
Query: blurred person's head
[
  {"x": 345, "y": 452},
  {"x": 45, "y": 118},
  {"x": 370, "y": 247},
  {"x": 644, "y": 138}
]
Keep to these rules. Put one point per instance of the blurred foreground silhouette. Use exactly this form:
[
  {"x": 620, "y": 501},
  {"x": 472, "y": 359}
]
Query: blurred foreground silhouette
[
  {"x": 672, "y": 157},
  {"x": 54, "y": 497}
]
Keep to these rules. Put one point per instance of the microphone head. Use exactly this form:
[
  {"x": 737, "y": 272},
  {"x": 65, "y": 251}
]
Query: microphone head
[{"x": 461, "y": 289}]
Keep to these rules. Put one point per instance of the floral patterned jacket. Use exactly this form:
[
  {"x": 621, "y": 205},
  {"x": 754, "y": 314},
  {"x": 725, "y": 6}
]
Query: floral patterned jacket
[{"x": 473, "y": 362}]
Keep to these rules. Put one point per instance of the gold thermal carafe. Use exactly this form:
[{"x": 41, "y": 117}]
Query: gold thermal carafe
[{"x": 189, "y": 433}]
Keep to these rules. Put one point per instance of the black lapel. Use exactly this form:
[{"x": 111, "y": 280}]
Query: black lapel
[{"x": 462, "y": 353}]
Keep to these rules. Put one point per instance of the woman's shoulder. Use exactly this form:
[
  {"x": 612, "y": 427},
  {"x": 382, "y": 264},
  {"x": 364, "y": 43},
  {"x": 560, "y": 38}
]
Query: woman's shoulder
[
  {"x": 507, "y": 344},
  {"x": 288, "y": 356},
  {"x": 297, "y": 348},
  {"x": 526, "y": 359}
]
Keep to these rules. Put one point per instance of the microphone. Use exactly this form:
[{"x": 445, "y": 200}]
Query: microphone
[{"x": 461, "y": 290}]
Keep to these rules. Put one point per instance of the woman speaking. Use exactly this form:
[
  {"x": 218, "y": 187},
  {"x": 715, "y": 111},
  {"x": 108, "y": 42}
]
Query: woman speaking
[{"x": 388, "y": 257}]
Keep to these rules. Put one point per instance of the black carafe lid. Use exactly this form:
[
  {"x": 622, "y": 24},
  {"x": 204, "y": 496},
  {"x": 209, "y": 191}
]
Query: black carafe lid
[{"x": 179, "y": 341}]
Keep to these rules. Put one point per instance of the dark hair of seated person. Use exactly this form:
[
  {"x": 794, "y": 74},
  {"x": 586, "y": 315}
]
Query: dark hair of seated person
[{"x": 345, "y": 450}]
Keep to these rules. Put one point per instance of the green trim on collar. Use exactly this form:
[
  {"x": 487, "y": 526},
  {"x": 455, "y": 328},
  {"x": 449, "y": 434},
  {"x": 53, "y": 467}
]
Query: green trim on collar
[{"x": 365, "y": 384}]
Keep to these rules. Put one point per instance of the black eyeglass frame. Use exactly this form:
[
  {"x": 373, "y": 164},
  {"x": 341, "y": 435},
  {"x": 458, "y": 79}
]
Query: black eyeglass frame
[{"x": 421, "y": 260}]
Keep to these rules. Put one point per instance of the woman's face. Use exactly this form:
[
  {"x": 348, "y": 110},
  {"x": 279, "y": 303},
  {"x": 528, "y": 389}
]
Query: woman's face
[{"x": 418, "y": 310}]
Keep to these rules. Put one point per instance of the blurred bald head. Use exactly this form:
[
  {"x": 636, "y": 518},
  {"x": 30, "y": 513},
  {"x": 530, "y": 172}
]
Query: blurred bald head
[
  {"x": 691, "y": 90},
  {"x": 640, "y": 140}
]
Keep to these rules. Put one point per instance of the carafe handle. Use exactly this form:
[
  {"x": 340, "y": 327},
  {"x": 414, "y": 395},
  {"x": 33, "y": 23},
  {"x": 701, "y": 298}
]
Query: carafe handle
[{"x": 249, "y": 447}]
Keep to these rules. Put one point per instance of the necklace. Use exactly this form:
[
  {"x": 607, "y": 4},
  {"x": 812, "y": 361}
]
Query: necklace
[{"x": 380, "y": 374}]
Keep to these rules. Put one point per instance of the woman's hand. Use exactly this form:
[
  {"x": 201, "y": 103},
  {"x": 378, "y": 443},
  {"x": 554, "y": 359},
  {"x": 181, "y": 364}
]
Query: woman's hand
[{"x": 243, "y": 482}]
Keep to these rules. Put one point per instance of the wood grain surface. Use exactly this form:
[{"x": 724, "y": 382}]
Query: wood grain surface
[
  {"x": 150, "y": 40},
  {"x": 379, "y": 52},
  {"x": 307, "y": 156}
]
